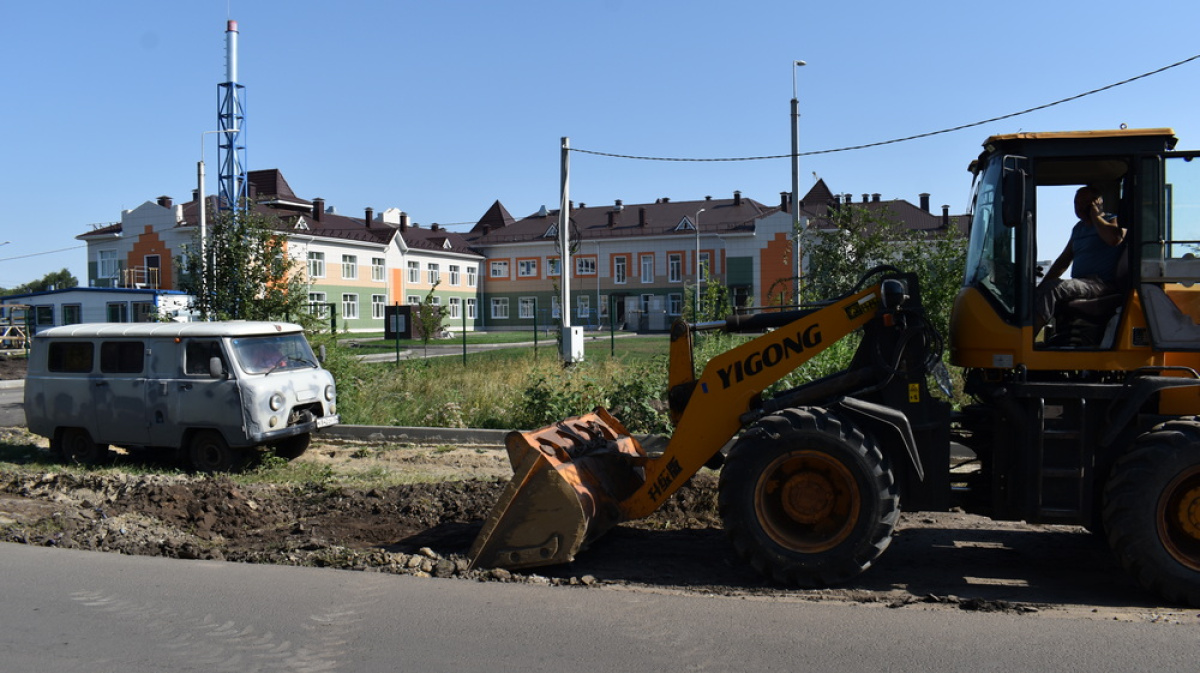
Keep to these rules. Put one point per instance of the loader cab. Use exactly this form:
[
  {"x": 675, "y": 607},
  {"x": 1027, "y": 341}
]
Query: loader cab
[{"x": 1022, "y": 215}]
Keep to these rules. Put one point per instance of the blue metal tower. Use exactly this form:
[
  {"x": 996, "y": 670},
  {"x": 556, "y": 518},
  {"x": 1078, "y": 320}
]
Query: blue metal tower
[{"x": 231, "y": 120}]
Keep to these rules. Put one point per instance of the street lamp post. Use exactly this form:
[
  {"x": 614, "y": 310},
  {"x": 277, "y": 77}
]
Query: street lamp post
[
  {"x": 795, "y": 186},
  {"x": 200, "y": 203},
  {"x": 697, "y": 223}
]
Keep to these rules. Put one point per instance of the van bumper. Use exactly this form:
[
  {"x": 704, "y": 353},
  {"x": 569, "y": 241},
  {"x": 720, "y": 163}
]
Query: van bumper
[{"x": 293, "y": 430}]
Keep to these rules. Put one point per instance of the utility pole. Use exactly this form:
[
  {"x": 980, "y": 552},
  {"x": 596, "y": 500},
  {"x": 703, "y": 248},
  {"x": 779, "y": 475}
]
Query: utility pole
[
  {"x": 572, "y": 337},
  {"x": 795, "y": 204}
]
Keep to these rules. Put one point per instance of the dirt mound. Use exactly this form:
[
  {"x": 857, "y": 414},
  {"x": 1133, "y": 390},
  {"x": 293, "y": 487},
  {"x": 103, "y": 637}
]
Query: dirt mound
[
  {"x": 936, "y": 560},
  {"x": 11, "y": 367}
]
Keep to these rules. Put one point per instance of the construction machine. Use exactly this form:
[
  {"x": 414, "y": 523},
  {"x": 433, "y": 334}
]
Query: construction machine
[{"x": 1091, "y": 421}]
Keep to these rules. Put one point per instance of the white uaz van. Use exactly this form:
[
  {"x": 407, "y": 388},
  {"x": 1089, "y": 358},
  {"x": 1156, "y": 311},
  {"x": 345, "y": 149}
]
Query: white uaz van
[{"x": 211, "y": 389}]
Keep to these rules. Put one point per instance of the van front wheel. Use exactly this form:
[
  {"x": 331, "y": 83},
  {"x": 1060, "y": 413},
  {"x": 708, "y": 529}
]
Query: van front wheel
[
  {"x": 292, "y": 447},
  {"x": 210, "y": 452}
]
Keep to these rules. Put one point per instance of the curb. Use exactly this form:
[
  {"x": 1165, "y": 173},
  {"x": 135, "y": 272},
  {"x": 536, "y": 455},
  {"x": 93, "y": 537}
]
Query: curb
[{"x": 409, "y": 435}]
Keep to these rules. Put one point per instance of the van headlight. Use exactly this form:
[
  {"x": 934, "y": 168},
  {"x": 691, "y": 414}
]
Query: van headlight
[
  {"x": 276, "y": 402},
  {"x": 329, "y": 393}
]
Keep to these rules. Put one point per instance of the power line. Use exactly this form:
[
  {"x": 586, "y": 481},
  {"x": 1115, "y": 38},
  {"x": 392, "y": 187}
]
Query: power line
[
  {"x": 907, "y": 138},
  {"x": 38, "y": 254}
]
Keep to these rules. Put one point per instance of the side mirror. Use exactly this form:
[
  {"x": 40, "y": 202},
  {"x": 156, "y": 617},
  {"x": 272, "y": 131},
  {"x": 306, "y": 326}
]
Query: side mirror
[
  {"x": 216, "y": 368},
  {"x": 1013, "y": 196},
  {"x": 893, "y": 293}
]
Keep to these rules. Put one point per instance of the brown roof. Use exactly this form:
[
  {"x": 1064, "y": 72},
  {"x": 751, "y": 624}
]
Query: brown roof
[
  {"x": 436, "y": 238},
  {"x": 270, "y": 185},
  {"x": 619, "y": 221},
  {"x": 496, "y": 217}
]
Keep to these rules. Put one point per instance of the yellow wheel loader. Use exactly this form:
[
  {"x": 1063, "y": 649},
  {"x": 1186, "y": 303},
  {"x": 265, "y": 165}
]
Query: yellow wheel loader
[{"x": 1089, "y": 421}]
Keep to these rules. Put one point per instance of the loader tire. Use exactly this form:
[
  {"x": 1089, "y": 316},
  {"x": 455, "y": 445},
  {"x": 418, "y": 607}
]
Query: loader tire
[
  {"x": 1152, "y": 511},
  {"x": 808, "y": 499}
]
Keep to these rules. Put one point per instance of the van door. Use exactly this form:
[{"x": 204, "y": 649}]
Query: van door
[
  {"x": 119, "y": 394},
  {"x": 202, "y": 400}
]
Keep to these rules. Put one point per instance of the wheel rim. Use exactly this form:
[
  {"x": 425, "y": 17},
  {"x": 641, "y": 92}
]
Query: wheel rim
[
  {"x": 1179, "y": 518},
  {"x": 807, "y": 501},
  {"x": 78, "y": 447}
]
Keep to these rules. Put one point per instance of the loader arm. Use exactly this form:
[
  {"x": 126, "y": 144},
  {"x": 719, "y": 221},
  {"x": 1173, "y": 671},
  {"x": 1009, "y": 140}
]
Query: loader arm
[
  {"x": 575, "y": 479},
  {"x": 707, "y": 410}
]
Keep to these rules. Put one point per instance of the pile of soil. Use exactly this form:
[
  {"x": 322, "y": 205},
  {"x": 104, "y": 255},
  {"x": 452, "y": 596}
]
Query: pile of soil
[
  {"x": 936, "y": 561},
  {"x": 12, "y": 367}
]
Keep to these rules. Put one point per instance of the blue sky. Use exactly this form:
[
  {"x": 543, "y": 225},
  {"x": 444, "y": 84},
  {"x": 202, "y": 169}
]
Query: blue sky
[{"x": 441, "y": 108}]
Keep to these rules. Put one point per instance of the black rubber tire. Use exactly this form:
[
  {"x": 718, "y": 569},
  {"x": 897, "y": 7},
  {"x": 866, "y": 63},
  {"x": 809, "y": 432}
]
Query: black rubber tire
[
  {"x": 293, "y": 447},
  {"x": 77, "y": 447},
  {"x": 209, "y": 452},
  {"x": 807, "y": 499},
  {"x": 1152, "y": 511}
]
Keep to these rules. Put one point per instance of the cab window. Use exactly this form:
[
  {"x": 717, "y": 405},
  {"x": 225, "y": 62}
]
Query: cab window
[{"x": 198, "y": 352}]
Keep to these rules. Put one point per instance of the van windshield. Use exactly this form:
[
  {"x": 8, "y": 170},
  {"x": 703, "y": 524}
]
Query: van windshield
[{"x": 265, "y": 354}]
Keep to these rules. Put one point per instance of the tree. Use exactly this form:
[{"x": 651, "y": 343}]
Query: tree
[
  {"x": 249, "y": 276},
  {"x": 429, "y": 317},
  {"x": 61, "y": 279},
  {"x": 715, "y": 303},
  {"x": 862, "y": 238}
]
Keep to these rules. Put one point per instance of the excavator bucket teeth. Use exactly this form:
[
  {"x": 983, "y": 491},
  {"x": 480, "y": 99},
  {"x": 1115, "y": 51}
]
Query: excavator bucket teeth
[{"x": 568, "y": 482}]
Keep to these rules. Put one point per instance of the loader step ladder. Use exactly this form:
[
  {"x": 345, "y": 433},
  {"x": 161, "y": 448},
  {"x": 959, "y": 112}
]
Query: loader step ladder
[{"x": 1064, "y": 461}]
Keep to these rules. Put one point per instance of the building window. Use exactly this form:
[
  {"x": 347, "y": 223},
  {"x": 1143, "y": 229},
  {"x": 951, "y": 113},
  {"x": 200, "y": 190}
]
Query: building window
[
  {"x": 108, "y": 267},
  {"x": 435, "y": 273},
  {"x": 499, "y": 269},
  {"x": 350, "y": 267},
  {"x": 43, "y": 316},
  {"x": 349, "y": 306},
  {"x": 72, "y": 314},
  {"x": 455, "y": 306},
  {"x": 554, "y": 266},
  {"x": 705, "y": 266},
  {"x": 585, "y": 266},
  {"x": 584, "y": 303},
  {"x": 455, "y": 274},
  {"x": 378, "y": 264},
  {"x": 527, "y": 308},
  {"x": 675, "y": 268},
  {"x": 675, "y": 304},
  {"x": 527, "y": 268},
  {"x": 602, "y": 309},
  {"x": 378, "y": 303},
  {"x": 470, "y": 309},
  {"x": 118, "y": 312},
  {"x": 619, "y": 270},
  {"x": 317, "y": 304},
  {"x": 647, "y": 262},
  {"x": 316, "y": 265},
  {"x": 414, "y": 272},
  {"x": 414, "y": 300},
  {"x": 500, "y": 307},
  {"x": 143, "y": 311},
  {"x": 470, "y": 276}
]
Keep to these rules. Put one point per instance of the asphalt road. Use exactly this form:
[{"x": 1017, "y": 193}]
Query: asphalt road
[
  {"x": 65, "y": 610},
  {"x": 12, "y": 414}
]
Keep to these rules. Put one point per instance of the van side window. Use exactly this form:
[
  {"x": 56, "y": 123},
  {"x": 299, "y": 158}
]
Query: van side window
[
  {"x": 197, "y": 353},
  {"x": 73, "y": 357},
  {"x": 122, "y": 357}
]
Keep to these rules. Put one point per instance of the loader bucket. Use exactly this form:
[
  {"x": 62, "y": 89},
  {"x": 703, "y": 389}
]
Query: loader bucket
[{"x": 568, "y": 481}]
